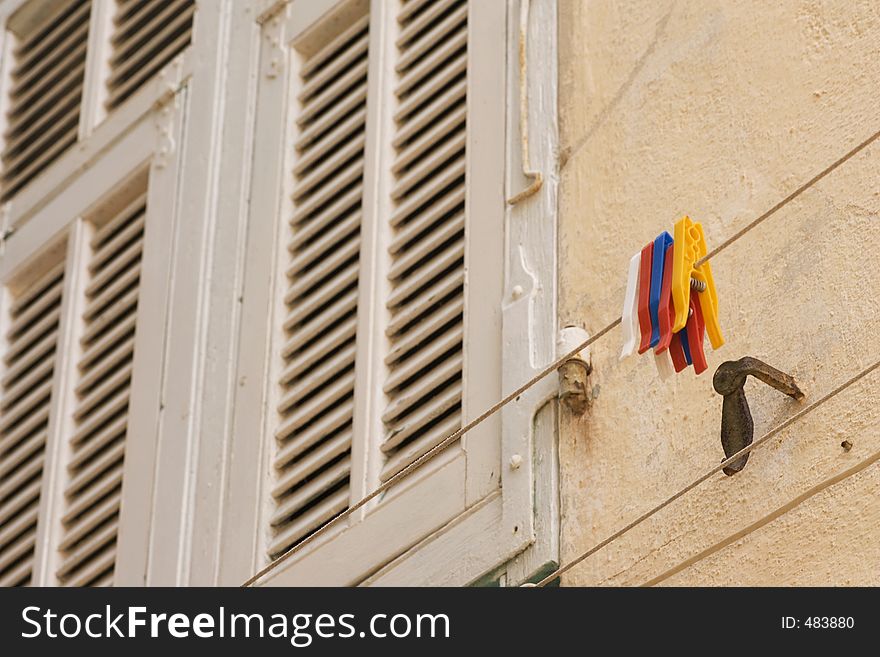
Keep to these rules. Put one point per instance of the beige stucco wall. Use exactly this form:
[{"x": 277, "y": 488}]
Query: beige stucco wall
[{"x": 720, "y": 109}]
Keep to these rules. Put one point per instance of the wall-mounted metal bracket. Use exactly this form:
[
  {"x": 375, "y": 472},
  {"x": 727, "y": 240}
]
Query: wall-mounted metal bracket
[
  {"x": 573, "y": 373},
  {"x": 737, "y": 427}
]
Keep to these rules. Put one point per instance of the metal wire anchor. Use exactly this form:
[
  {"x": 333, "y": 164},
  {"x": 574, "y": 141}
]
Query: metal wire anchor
[{"x": 737, "y": 427}]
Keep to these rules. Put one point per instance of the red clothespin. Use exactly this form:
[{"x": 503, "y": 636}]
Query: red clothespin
[
  {"x": 645, "y": 297},
  {"x": 696, "y": 329}
]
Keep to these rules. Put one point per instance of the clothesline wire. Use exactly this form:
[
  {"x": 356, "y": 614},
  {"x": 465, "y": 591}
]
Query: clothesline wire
[
  {"x": 699, "y": 480},
  {"x": 552, "y": 367}
]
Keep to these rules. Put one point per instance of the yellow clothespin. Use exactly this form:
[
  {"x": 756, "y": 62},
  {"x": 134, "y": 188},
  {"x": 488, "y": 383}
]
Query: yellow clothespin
[{"x": 690, "y": 246}]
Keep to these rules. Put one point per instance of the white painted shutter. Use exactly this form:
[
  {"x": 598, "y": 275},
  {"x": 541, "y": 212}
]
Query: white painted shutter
[
  {"x": 46, "y": 90},
  {"x": 424, "y": 384},
  {"x": 147, "y": 34},
  {"x": 29, "y": 364},
  {"x": 313, "y": 457},
  {"x": 94, "y": 483}
]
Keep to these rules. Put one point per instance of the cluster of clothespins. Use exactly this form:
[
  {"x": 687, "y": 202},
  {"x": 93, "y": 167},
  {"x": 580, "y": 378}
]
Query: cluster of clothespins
[{"x": 671, "y": 303}]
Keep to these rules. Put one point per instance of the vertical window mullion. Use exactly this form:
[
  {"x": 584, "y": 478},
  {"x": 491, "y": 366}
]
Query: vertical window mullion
[{"x": 373, "y": 317}]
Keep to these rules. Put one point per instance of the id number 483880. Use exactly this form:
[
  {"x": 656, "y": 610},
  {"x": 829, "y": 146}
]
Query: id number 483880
[{"x": 819, "y": 623}]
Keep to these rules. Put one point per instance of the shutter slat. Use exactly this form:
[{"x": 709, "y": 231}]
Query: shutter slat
[
  {"x": 99, "y": 347},
  {"x": 112, "y": 266},
  {"x": 24, "y": 342},
  {"x": 118, "y": 402},
  {"x": 97, "y": 565},
  {"x": 112, "y": 246},
  {"x": 336, "y": 211},
  {"x": 11, "y": 438},
  {"x": 330, "y": 50},
  {"x": 26, "y": 405},
  {"x": 46, "y": 86},
  {"x": 145, "y": 40},
  {"x": 425, "y": 42},
  {"x": 331, "y": 118},
  {"x": 96, "y": 467},
  {"x": 86, "y": 549},
  {"x": 36, "y": 353},
  {"x": 416, "y": 201},
  {"x": 21, "y": 476},
  {"x": 429, "y": 114},
  {"x": 18, "y": 576},
  {"x": 132, "y": 209},
  {"x": 330, "y": 163},
  {"x": 293, "y": 446},
  {"x": 306, "y": 256},
  {"x": 307, "y": 358},
  {"x": 25, "y": 496},
  {"x": 43, "y": 369},
  {"x": 82, "y": 527},
  {"x": 310, "y": 464},
  {"x": 422, "y": 171},
  {"x": 316, "y": 151},
  {"x": 412, "y": 258},
  {"x": 51, "y": 296},
  {"x": 412, "y": 151},
  {"x": 111, "y": 432},
  {"x": 422, "y": 388},
  {"x": 336, "y": 66},
  {"x": 412, "y": 284},
  {"x": 102, "y": 300},
  {"x": 23, "y": 453},
  {"x": 318, "y": 104},
  {"x": 107, "y": 364},
  {"x": 320, "y": 402},
  {"x": 415, "y": 449},
  {"x": 335, "y": 260},
  {"x": 21, "y": 546},
  {"x": 318, "y": 377},
  {"x": 330, "y": 188},
  {"x": 35, "y": 291},
  {"x": 449, "y": 311},
  {"x": 416, "y": 24},
  {"x": 415, "y": 76},
  {"x": 427, "y": 218},
  {"x": 420, "y": 96},
  {"x": 423, "y": 303},
  {"x": 82, "y": 500},
  {"x": 437, "y": 347},
  {"x": 110, "y": 316},
  {"x": 18, "y": 526},
  {"x": 306, "y": 493},
  {"x": 309, "y": 522},
  {"x": 320, "y": 322},
  {"x": 330, "y": 287},
  {"x": 88, "y": 403}
]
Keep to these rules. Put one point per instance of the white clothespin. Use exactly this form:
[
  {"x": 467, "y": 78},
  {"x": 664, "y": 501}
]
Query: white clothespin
[{"x": 629, "y": 320}]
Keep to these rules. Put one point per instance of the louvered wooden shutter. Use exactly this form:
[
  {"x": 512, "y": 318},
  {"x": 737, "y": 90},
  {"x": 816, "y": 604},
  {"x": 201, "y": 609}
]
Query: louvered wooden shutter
[
  {"x": 94, "y": 484},
  {"x": 424, "y": 385},
  {"x": 24, "y": 416},
  {"x": 147, "y": 35},
  {"x": 45, "y": 95},
  {"x": 313, "y": 459}
]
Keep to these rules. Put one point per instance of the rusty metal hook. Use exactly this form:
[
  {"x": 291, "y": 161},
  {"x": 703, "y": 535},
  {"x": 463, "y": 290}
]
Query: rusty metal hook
[{"x": 737, "y": 427}]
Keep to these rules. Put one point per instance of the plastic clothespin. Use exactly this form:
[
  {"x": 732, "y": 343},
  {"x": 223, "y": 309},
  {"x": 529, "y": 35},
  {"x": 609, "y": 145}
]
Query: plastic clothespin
[
  {"x": 690, "y": 246},
  {"x": 677, "y": 353},
  {"x": 665, "y": 313},
  {"x": 645, "y": 262},
  {"x": 664, "y": 367},
  {"x": 694, "y": 331},
  {"x": 629, "y": 318},
  {"x": 661, "y": 244}
]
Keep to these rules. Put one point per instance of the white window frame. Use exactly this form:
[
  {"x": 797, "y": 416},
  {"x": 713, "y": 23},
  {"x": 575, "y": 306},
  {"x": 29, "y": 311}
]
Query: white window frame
[{"x": 468, "y": 515}]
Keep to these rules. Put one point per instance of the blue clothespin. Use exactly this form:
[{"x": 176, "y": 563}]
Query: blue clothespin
[{"x": 663, "y": 240}]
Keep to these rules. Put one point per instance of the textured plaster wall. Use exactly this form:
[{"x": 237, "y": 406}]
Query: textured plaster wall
[{"x": 720, "y": 109}]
